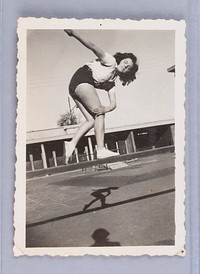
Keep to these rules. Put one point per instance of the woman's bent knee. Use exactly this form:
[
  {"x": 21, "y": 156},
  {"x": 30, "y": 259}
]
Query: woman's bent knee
[{"x": 90, "y": 123}]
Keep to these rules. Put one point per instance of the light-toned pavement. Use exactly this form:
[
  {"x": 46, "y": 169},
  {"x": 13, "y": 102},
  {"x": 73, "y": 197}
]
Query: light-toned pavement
[{"x": 130, "y": 206}]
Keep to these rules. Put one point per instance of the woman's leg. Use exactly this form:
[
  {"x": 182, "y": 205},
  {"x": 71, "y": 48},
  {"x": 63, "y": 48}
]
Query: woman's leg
[
  {"x": 88, "y": 100},
  {"x": 82, "y": 130},
  {"x": 85, "y": 126}
]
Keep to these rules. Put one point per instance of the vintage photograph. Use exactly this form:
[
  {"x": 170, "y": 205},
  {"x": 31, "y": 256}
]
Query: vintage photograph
[{"x": 100, "y": 137}]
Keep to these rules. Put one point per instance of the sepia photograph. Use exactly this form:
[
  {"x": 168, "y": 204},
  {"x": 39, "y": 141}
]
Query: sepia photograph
[{"x": 100, "y": 137}]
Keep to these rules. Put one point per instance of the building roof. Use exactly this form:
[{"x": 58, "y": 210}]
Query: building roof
[{"x": 54, "y": 134}]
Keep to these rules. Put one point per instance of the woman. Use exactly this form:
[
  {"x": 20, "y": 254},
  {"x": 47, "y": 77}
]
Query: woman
[{"x": 102, "y": 74}]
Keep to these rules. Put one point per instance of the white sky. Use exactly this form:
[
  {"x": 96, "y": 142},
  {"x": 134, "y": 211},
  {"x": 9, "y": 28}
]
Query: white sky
[{"x": 53, "y": 57}]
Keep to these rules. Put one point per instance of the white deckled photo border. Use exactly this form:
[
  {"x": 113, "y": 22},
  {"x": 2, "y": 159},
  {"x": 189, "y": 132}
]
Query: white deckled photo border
[{"x": 26, "y": 24}]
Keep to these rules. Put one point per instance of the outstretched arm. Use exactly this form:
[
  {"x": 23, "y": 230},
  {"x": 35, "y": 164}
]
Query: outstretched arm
[{"x": 88, "y": 44}]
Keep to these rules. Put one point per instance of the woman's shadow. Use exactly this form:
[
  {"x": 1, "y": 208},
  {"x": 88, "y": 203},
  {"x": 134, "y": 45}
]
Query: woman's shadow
[{"x": 100, "y": 195}]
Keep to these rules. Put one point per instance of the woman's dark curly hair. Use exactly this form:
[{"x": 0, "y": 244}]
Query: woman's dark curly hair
[{"x": 128, "y": 77}]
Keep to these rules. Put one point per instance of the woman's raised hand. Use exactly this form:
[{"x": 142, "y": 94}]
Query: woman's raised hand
[
  {"x": 70, "y": 32},
  {"x": 101, "y": 110}
]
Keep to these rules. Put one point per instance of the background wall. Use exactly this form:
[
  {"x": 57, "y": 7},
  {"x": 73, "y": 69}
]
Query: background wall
[{"x": 53, "y": 57}]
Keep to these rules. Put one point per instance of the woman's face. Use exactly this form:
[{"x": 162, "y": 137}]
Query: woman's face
[{"x": 125, "y": 65}]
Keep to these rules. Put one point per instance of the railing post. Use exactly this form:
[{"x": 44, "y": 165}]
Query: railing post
[
  {"x": 76, "y": 153},
  {"x": 54, "y": 158},
  {"x": 90, "y": 148},
  {"x": 44, "y": 160},
  {"x": 117, "y": 146},
  {"x": 32, "y": 162},
  {"x": 133, "y": 141},
  {"x": 126, "y": 145},
  {"x": 87, "y": 153},
  {"x": 172, "y": 128}
]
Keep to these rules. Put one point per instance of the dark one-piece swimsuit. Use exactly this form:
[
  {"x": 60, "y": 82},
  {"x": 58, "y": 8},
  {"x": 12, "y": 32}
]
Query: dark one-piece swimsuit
[{"x": 84, "y": 75}]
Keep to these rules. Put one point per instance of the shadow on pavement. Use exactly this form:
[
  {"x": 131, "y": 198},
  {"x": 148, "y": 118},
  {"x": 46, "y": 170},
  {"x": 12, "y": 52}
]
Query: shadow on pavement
[
  {"x": 100, "y": 237},
  {"x": 100, "y": 195},
  {"x": 100, "y": 208},
  {"x": 120, "y": 180}
]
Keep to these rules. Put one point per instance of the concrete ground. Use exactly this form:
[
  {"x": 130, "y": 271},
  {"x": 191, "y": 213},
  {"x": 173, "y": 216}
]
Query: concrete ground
[{"x": 129, "y": 206}]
